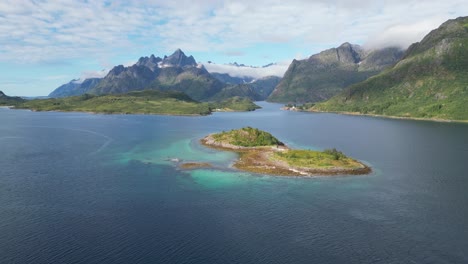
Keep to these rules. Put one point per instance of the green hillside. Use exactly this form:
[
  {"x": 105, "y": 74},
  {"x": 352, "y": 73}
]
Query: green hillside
[{"x": 431, "y": 80}]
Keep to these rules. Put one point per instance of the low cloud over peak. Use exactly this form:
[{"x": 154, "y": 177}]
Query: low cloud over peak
[
  {"x": 403, "y": 35},
  {"x": 277, "y": 69}
]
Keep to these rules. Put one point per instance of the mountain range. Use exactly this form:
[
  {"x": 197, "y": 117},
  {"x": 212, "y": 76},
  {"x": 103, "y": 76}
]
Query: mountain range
[
  {"x": 430, "y": 81},
  {"x": 327, "y": 73},
  {"x": 176, "y": 72}
]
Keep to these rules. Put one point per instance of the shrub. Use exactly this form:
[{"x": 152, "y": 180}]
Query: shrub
[{"x": 337, "y": 155}]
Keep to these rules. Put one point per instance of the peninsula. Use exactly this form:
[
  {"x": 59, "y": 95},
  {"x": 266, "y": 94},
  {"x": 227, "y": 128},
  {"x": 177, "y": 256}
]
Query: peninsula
[
  {"x": 139, "y": 102},
  {"x": 261, "y": 152}
]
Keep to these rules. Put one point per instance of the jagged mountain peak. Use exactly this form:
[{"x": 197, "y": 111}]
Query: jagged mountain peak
[
  {"x": 177, "y": 72},
  {"x": 151, "y": 62},
  {"x": 178, "y": 52},
  {"x": 116, "y": 70},
  {"x": 179, "y": 59},
  {"x": 345, "y": 53},
  {"x": 346, "y": 45}
]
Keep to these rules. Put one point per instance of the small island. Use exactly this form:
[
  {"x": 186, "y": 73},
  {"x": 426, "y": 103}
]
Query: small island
[{"x": 261, "y": 152}]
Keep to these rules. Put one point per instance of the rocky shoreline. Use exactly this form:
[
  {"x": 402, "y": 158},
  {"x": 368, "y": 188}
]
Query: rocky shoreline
[
  {"x": 441, "y": 120},
  {"x": 260, "y": 160}
]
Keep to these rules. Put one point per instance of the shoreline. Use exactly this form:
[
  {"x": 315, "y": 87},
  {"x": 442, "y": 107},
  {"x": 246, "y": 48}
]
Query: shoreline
[
  {"x": 439, "y": 120},
  {"x": 120, "y": 113},
  {"x": 102, "y": 113},
  {"x": 259, "y": 160}
]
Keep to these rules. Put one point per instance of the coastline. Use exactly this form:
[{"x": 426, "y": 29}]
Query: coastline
[
  {"x": 122, "y": 113},
  {"x": 102, "y": 113},
  {"x": 439, "y": 120},
  {"x": 260, "y": 160}
]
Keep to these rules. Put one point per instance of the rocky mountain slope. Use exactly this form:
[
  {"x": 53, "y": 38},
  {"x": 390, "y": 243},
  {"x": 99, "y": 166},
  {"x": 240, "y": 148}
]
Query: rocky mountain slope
[
  {"x": 257, "y": 90},
  {"x": 430, "y": 81},
  {"x": 176, "y": 72},
  {"x": 75, "y": 87},
  {"x": 327, "y": 73}
]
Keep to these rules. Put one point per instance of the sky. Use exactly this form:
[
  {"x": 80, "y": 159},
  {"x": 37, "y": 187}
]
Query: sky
[{"x": 46, "y": 43}]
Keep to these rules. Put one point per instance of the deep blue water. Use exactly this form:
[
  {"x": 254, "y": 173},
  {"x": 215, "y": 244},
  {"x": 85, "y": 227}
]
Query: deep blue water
[{"x": 83, "y": 188}]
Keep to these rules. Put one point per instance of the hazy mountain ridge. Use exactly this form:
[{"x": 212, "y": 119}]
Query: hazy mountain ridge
[
  {"x": 10, "y": 100},
  {"x": 75, "y": 87},
  {"x": 325, "y": 74},
  {"x": 430, "y": 81},
  {"x": 257, "y": 90}
]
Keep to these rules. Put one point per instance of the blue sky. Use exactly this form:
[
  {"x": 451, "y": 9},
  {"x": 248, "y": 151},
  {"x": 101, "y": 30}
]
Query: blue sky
[{"x": 44, "y": 44}]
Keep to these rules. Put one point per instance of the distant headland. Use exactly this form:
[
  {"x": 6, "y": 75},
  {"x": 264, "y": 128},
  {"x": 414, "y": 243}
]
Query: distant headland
[{"x": 139, "y": 102}]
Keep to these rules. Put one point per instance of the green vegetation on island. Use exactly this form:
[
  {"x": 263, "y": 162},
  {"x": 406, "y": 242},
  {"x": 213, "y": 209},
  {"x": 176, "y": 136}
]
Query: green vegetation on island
[
  {"x": 142, "y": 102},
  {"x": 261, "y": 152},
  {"x": 430, "y": 82},
  {"x": 329, "y": 158},
  {"x": 247, "y": 137}
]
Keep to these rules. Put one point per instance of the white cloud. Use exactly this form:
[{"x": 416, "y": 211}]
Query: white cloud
[
  {"x": 277, "y": 69},
  {"x": 403, "y": 35},
  {"x": 45, "y": 32},
  {"x": 93, "y": 74},
  {"x": 35, "y": 31}
]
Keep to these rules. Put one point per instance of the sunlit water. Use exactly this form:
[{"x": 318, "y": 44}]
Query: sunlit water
[{"x": 83, "y": 188}]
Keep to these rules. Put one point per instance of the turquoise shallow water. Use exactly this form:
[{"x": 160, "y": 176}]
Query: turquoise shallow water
[
  {"x": 184, "y": 150},
  {"x": 81, "y": 188}
]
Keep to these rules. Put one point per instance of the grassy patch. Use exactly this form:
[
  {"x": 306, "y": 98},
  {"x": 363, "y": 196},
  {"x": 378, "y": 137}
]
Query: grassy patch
[
  {"x": 316, "y": 159},
  {"x": 247, "y": 137}
]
